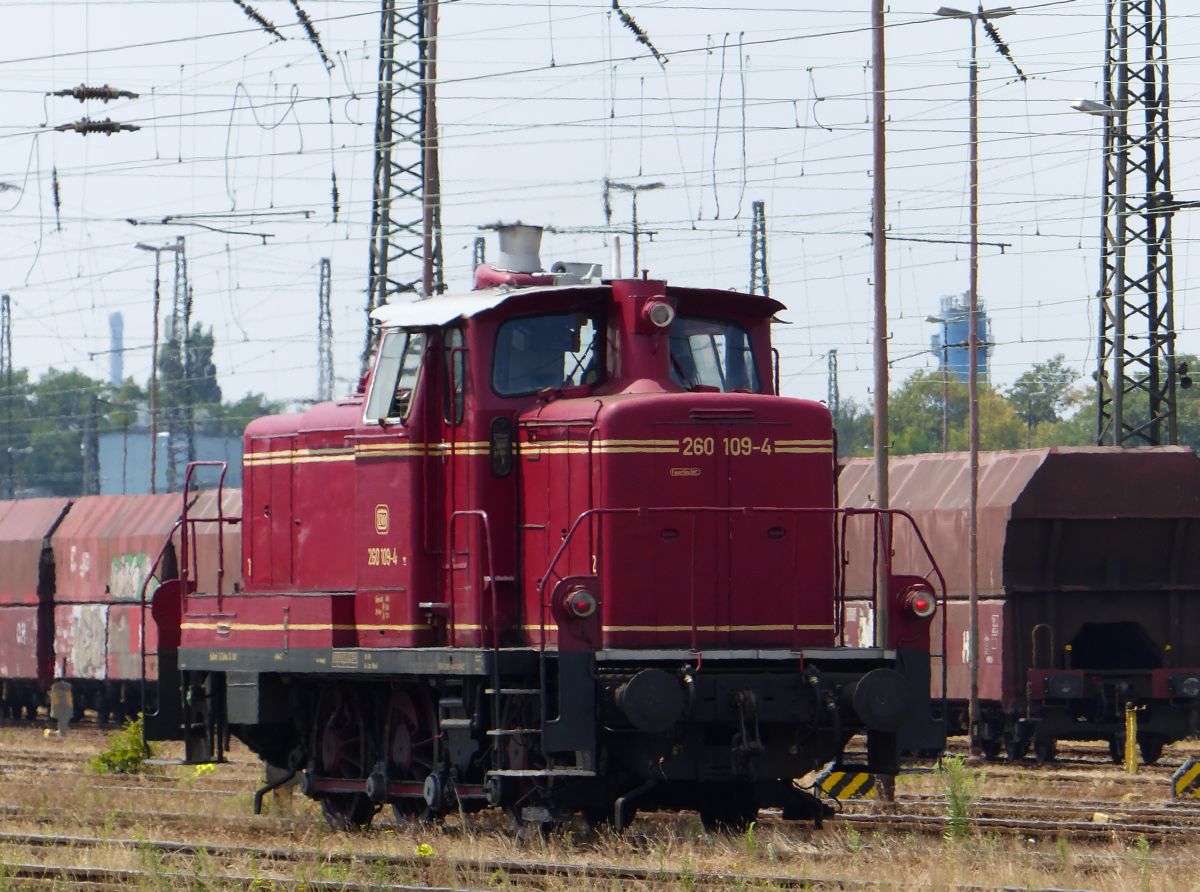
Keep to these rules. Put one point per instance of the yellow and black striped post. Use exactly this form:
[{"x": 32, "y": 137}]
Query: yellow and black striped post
[
  {"x": 847, "y": 782},
  {"x": 1186, "y": 781}
]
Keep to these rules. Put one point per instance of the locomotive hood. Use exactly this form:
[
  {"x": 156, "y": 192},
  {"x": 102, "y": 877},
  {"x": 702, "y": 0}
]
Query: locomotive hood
[{"x": 700, "y": 505}]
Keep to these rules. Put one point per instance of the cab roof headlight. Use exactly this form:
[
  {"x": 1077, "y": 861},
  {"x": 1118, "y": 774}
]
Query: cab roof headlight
[{"x": 659, "y": 313}]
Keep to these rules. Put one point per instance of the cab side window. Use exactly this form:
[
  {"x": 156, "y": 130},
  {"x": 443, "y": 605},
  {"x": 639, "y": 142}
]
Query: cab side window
[
  {"x": 396, "y": 375},
  {"x": 535, "y": 353},
  {"x": 712, "y": 353},
  {"x": 455, "y": 365}
]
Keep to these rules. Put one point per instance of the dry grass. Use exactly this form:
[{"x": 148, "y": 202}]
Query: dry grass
[{"x": 55, "y": 794}]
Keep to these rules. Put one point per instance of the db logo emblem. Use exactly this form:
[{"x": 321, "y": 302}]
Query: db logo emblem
[{"x": 382, "y": 520}]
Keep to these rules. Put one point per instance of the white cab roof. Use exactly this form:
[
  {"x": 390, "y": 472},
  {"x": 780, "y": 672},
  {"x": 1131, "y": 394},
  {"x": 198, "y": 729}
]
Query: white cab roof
[{"x": 446, "y": 308}]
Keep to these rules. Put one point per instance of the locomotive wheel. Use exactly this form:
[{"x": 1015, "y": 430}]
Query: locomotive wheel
[
  {"x": 411, "y": 748},
  {"x": 341, "y": 752},
  {"x": 991, "y": 748},
  {"x": 727, "y": 808},
  {"x": 1015, "y": 748},
  {"x": 1045, "y": 750},
  {"x": 1151, "y": 746}
]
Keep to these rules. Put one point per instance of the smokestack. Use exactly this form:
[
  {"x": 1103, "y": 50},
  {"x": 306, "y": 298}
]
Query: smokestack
[
  {"x": 519, "y": 245},
  {"x": 116, "y": 344}
]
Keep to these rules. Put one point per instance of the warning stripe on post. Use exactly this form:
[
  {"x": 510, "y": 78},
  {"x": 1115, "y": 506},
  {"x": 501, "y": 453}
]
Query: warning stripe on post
[
  {"x": 1186, "y": 781},
  {"x": 847, "y": 782}
]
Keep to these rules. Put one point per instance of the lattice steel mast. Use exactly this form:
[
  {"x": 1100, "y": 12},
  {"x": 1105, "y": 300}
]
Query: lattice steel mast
[
  {"x": 325, "y": 333},
  {"x": 181, "y": 419},
  {"x": 833, "y": 398},
  {"x": 1136, "y": 351},
  {"x": 405, "y": 243},
  {"x": 760, "y": 283}
]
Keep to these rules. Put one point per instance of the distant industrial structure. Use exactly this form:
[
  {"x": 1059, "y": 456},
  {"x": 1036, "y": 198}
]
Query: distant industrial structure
[
  {"x": 949, "y": 342},
  {"x": 124, "y": 461}
]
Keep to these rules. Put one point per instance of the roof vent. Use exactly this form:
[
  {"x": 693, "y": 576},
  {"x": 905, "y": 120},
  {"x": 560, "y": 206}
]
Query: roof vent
[{"x": 519, "y": 245}]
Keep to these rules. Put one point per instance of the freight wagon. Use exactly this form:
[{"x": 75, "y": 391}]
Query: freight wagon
[
  {"x": 1089, "y": 589},
  {"x": 73, "y": 575}
]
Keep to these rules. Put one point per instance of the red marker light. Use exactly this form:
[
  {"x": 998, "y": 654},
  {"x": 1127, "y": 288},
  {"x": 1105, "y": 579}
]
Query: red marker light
[
  {"x": 581, "y": 603},
  {"x": 921, "y": 603}
]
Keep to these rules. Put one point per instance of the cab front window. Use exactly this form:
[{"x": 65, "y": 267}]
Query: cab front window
[
  {"x": 396, "y": 375},
  {"x": 535, "y": 353},
  {"x": 712, "y": 354}
]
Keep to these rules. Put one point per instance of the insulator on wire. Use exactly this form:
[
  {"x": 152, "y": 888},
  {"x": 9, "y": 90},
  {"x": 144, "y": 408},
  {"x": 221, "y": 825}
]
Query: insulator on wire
[
  {"x": 313, "y": 37},
  {"x": 259, "y": 19},
  {"x": 57, "y": 199},
  {"x": 87, "y": 125},
  {"x": 84, "y": 92}
]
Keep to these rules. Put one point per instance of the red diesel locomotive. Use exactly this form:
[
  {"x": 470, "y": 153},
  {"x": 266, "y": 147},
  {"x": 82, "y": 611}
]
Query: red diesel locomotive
[{"x": 566, "y": 551}]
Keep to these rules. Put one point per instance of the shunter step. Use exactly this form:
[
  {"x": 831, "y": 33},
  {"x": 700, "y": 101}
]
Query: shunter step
[
  {"x": 514, "y": 692},
  {"x": 455, "y": 723},
  {"x": 509, "y": 732}
]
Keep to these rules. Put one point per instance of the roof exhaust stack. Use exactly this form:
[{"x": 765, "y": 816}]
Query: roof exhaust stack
[{"x": 519, "y": 246}]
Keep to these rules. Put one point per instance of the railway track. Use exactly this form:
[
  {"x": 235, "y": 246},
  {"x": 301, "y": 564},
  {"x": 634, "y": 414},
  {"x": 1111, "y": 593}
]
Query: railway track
[
  {"x": 1187, "y": 834},
  {"x": 494, "y": 872},
  {"x": 1177, "y": 810},
  {"x": 82, "y": 876}
]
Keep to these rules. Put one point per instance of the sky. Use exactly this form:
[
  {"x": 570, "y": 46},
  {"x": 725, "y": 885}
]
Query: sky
[{"x": 240, "y": 135}]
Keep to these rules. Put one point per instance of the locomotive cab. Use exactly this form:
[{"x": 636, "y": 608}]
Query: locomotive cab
[{"x": 568, "y": 550}]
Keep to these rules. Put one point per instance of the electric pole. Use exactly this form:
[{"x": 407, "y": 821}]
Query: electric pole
[
  {"x": 6, "y": 375},
  {"x": 879, "y": 335},
  {"x": 1135, "y": 376},
  {"x": 177, "y": 248},
  {"x": 91, "y": 447},
  {"x": 759, "y": 281},
  {"x": 325, "y": 334},
  {"x": 405, "y": 243},
  {"x": 181, "y": 441}
]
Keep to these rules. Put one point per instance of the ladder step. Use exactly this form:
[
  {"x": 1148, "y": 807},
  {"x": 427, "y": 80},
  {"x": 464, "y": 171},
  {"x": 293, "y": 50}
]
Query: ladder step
[
  {"x": 515, "y": 692},
  {"x": 542, "y": 772},
  {"x": 509, "y": 732},
  {"x": 455, "y": 723}
]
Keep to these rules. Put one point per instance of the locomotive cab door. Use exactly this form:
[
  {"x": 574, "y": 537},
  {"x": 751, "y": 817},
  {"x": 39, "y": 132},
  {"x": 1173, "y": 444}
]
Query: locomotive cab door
[
  {"x": 391, "y": 535},
  {"x": 474, "y": 504}
]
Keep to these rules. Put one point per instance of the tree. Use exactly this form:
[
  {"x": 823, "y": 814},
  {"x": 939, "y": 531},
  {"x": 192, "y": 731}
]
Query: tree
[
  {"x": 915, "y": 416},
  {"x": 230, "y": 419},
  {"x": 1042, "y": 395},
  {"x": 853, "y": 424},
  {"x": 15, "y": 412},
  {"x": 63, "y": 404}
]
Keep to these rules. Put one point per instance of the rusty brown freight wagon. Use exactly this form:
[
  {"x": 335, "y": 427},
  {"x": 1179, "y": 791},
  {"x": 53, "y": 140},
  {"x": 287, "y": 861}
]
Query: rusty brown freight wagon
[
  {"x": 1089, "y": 589},
  {"x": 26, "y": 601},
  {"x": 104, "y": 550}
]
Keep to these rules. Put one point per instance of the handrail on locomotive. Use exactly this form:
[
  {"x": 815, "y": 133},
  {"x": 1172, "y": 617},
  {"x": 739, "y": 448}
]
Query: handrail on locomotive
[
  {"x": 186, "y": 527},
  {"x": 845, "y": 513}
]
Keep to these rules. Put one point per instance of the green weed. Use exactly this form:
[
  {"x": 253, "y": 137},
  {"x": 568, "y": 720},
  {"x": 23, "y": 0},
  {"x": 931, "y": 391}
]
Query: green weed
[
  {"x": 126, "y": 752},
  {"x": 750, "y": 841},
  {"x": 961, "y": 786}
]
